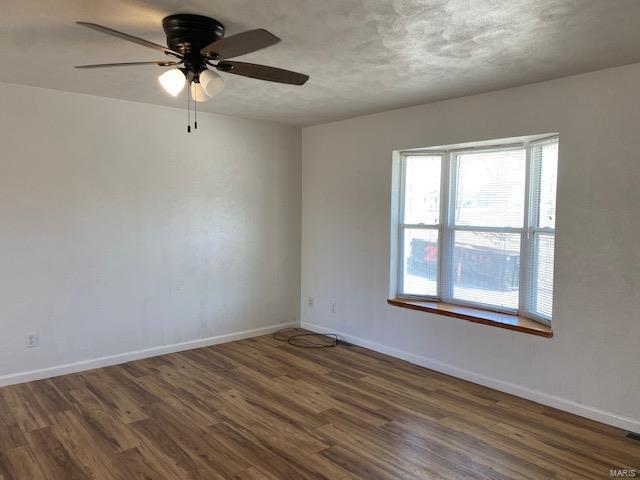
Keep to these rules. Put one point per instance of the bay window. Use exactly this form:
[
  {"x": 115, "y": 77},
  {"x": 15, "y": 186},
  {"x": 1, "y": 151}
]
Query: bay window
[{"x": 476, "y": 226}]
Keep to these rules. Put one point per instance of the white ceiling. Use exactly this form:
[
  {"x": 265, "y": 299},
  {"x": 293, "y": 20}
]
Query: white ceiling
[{"x": 363, "y": 56}]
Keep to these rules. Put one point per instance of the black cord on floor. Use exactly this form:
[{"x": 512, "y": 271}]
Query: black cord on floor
[{"x": 305, "y": 339}]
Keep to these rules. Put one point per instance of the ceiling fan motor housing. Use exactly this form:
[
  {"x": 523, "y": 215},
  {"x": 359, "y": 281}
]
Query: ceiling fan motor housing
[{"x": 188, "y": 34}]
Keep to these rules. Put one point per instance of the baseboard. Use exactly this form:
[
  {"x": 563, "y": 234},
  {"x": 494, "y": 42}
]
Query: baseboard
[
  {"x": 90, "y": 364},
  {"x": 626, "y": 423}
]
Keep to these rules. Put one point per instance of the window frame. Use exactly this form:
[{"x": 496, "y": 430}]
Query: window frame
[
  {"x": 532, "y": 217},
  {"x": 446, "y": 228},
  {"x": 402, "y": 227}
]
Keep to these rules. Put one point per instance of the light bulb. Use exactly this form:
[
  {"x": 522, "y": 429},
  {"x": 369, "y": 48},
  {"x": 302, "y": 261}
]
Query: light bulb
[
  {"x": 211, "y": 82},
  {"x": 198, "y": 93},
  {"x": 172, "y": 81}
]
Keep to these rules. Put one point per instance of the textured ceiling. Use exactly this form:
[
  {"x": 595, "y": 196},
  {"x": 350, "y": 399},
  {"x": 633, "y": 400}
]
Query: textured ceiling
[{"x": 363, "y": 56}]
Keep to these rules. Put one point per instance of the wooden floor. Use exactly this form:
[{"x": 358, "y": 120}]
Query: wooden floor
[{"x": 260, "y": 409}]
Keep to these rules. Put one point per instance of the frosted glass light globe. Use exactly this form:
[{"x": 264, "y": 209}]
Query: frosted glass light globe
[
  {"x": 198, "y": 93},
  {"x": 211, "y": 82},
  {"x": 172, "y": 81}
]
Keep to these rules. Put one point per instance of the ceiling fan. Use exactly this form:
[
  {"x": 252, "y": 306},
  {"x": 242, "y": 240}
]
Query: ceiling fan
[{"x": 198, "y": 47}]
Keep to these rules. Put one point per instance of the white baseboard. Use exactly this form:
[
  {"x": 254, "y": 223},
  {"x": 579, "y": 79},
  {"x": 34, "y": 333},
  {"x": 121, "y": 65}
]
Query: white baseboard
[
  {"x": 90, "y": 364},
  {"x": 626, "y": 423}
]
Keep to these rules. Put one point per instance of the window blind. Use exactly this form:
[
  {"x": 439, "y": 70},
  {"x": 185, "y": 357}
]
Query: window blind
[
  {"x": 544, "y": 167},
  {"x": 490, "y": 188},
  {"x": 488, "y": 209}
]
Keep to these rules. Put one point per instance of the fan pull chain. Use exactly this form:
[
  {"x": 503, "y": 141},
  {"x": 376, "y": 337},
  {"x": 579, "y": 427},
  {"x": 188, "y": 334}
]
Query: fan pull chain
[
  {"x": 188, "y": 103},
  {"x": 195, "y": 113}
]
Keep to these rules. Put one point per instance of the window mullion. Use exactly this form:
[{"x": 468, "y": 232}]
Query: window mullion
[
  {"x": 526, "y": 250},
  {"x": 401, "y": 266},
  {"x": 424, "y": 226},
  {"x": 448, "y": 191},
  {"x": 472, "y": 228},
  {"x": 543, "y": 230}
]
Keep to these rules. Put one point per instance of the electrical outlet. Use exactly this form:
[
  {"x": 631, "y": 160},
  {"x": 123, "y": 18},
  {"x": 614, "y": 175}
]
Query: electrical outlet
[
  {"x": 311, "y": 302},
  {"x": 333, "y": 308},
  {"x": 31, "y": 340}
]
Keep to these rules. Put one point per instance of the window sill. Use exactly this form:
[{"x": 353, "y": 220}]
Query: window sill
[{"x": 495, "y": 319}]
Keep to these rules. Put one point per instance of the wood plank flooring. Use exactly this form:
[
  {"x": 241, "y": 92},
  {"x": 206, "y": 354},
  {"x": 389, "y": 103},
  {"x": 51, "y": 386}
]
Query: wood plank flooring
[{"x": 259, "y": 409}]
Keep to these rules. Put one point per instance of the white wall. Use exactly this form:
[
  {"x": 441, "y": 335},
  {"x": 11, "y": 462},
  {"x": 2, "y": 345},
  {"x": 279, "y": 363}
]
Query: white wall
[
  {"x": 119, "y": 232},
  {"x": 592, "y": 364}
]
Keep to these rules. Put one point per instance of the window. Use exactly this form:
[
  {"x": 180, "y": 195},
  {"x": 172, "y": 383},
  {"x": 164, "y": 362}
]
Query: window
[{"x": 477, "y": 226}]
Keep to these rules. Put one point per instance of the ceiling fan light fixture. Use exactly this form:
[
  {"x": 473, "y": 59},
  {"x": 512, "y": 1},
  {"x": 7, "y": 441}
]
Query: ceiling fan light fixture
[
  {"x": 211, "y": 82},
  {"x": 198, "y": 93},
  {"x": 172, "y": 81},
  {"x": 194, "y": 41}
]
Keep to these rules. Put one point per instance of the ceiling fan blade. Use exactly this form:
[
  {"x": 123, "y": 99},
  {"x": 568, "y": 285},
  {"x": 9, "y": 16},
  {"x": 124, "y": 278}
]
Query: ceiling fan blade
[
  {"x": 130, "y": 38},
  {"x": 128, "y": 64},
  {"x": 240, "y": 44},
  {"x": 262, "y": 72}
]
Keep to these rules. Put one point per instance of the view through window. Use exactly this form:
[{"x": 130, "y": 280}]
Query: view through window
[{"x": 477, "y": 226}]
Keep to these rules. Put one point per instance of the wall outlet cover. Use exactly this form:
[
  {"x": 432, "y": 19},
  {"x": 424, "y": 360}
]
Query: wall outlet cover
[{"x": 31, "y": 340}]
